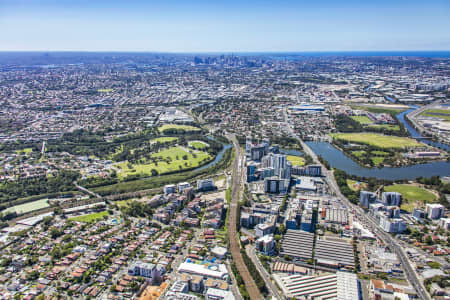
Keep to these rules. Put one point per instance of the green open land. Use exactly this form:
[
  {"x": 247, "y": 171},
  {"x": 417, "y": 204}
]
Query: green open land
[
  {"x": 198, "y": 145},
  {"x": 379, "y": 109},
  {"x": 359, "y": 153},
  {"x": 156, "y": 182},
  {"x": 386, "y": 126},
  {"x": 377, "y": 140},
  {"x": 377, "y": 160},
  {"x": 412, "y": 195},
  {"x": 105, "y": 90},
  {"x": 177, "y": 127},
  {"x": 365, "y": 121},
  {"x": 27, "y": 207},
  {"x": 164, "y": 139},
  {"x": 296, "y": 160},
  {"x": 90, "y": 217},
  {"x": 379, "y": 153},
  {"x": 170, "y": 159},
  {"x": 26, "y": 151},
  {"x": 437, "y": 113},
  {"x": 362, "y": 119},
  {"x": 355, "y": 185},
  {"x": 123, "y": 203}
]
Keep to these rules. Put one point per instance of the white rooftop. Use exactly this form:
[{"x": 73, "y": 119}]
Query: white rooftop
[{"x": 214, "y": 270}]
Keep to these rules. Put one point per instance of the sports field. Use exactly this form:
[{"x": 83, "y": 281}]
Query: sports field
[
  {"x": 362, "y": 120},
  {"x": 90, "y": 217},
  {"x": 437, "y": 113},
  {"x": 296, "y": 160},
  {"x": 198, "y": 145},
  {"x": 164, "y": 139},
  {"x": 27, "y": 207},
  {"x": 377, "y": 140},
  {"x": 178, "y": 127},
  {"x": 413, "y": 196},
  {"x": 170, "y": 159}
]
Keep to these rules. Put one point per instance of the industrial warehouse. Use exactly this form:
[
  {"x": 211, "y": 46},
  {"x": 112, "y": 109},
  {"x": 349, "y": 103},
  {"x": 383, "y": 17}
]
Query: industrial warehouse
[
  {"x": 339, "y": 286},
  {"x": 334, "y": 254},
  {"x": 298, "y": 244}
]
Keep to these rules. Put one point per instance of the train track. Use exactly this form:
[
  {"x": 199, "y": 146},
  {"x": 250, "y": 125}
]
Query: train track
[{"x": 235, "y": 249}]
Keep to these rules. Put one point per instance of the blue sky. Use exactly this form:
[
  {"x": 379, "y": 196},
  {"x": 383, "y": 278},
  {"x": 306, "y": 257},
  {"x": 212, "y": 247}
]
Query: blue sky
[{"x": 224, "y": 26}]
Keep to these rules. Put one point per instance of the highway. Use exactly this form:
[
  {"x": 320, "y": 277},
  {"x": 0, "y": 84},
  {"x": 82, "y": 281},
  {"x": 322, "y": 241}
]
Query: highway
[
  {"x": 409, "y": 270},
  {"x": 235, "y": 249},
  {"x": 410, "y": 273}
]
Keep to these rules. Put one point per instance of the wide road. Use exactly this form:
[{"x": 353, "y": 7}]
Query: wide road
[
  {"x": 235, "y": 249},
  {"x": 251, "y": 252},
  {"x": 409, "y": 271},
  {"x": 390, "y": 241}
]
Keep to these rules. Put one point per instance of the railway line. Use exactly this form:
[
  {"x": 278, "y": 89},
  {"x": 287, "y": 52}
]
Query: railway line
[{"x": 235, "y": 249}]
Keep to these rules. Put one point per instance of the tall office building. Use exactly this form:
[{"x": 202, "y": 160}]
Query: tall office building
[
  {"x": 279, "y": 163},
  {"x": 391, "y": 198},
  {"x": 435, "y": 211},
  {"x": 248, "y": 147},
  {"x": 365, "y": 198}
]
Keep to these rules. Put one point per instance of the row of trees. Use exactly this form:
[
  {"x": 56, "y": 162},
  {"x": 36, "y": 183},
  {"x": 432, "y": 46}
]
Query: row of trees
[
  {"x": 259, "y": 281},
  {"x": 344, "y": 123},
  {"x": 12, "y": 190},
  {"x": 112, "y": 186}
]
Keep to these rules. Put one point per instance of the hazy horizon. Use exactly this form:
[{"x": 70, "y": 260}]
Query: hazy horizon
[{"x": 200, "y": 26}]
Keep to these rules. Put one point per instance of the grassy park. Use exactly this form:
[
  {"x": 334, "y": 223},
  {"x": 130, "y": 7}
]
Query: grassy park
[
  {"x": 164, "y": 139},
  {"x": 386, "y": 126},
  {"x": 296, "y": 160},
  {"x": 377, "y": 140},
  {"x": 90, "y": 217},
  {"x": 359, "y": 153},
  {"x": 363, "y": 120},
  {"x": 27, "y": 207},
  {"x": 25, "y": 151},
  {"x": 198, "y": 145},
  {"x": 394, "y": 109},
  {"x": 413, "y": 196},
  {"x": 168, "y": 160},
  {"x": 437, "y": 113},
  {"x": 377, "y": 160},
  {"x": 367, "y": 123},
  {"x": 187, "y": 128}
]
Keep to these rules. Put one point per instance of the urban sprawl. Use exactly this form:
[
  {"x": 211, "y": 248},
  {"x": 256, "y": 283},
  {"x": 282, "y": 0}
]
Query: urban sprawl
[{"x": 158, "y": 176}]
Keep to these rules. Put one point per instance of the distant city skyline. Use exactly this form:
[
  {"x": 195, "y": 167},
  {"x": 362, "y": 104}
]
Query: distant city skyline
[{"x": 231, "y": 26}]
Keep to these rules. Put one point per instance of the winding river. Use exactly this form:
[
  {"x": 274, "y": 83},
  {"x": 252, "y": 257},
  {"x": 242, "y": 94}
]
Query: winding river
[
  {"x": 413, "y": 132},
  {"x": 217, "y": 159},
  {"x": 339, "y": 160}
]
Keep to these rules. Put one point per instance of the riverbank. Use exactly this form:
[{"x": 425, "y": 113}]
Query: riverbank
[
  {"x": 337, "y": 159},
  {"x": 409, "y": 125},
  {"x": 369, "y": 156}
]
